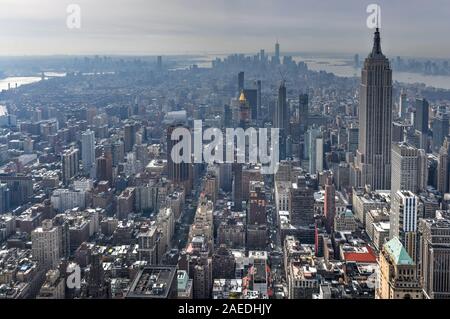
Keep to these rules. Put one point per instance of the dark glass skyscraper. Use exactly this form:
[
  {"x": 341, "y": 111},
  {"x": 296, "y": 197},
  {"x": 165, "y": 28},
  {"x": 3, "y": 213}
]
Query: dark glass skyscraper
[
  {"x": 281, "y": 119},
  {"x": 440, "y": 128},
  {"x": 258, "y": 99},
  {"x": 251, "y": 95},
  {"x": 303, "y": 112},
  {"x": 421, "y": 116},
  {"x": 240, "y": 81},
  {"x": 178, "y": 173},
  {"x": 373, "y": 159},
  {"x": 282, "y": 114},
  {"x": 277, "y": 53}
]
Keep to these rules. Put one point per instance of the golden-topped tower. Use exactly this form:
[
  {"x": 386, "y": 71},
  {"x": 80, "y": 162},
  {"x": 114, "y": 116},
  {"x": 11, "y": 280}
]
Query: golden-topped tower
[{"x": 244, "y": 111}]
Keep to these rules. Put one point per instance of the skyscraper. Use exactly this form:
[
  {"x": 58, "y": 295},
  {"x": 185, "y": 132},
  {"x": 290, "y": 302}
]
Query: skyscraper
[
  {"x": 227, "y": 116},
  {"x": 421, "y": 115},
  {"x": 276, "y": 58},
  {"x": 303, "y": 112},
  {"x": 314, "y": 149},
  {"x": 329, "y": 204},
  {"x": 409, "y": 168},
  {"x": 262, "y": 55},
  {"x": 440, "y": 128},
  {"x": 244, "y": 111},
  {"x": 281, "y": 115},
  {"x": 434, "y": 252},
  {"x": 356, "y": 61},
  {"x": 88, "y": 152},
  {"x": 178, "y": 173},
  {"x": 104, "y": 168},
  {"x": 403, "y": 219},
  {"x": 398, "y": 275},
  {"x": 257, "y": 211},
  {"x": 442, "y": 167},
  {"x": 403, "y": 105},
  {"x": 252, "y": 99},
  {"x": 69, "y": 164},
  {"x": 4, "y": 198},
  {"x": 45, "y": 244},
  {"x": 352, "y": 139},
  {"x": 281, "y": 119},
  {"x": 241, "y": 81},
  {"x": 130, "y": 130},
  {"x": 237, "y": 186},
  {"x": 301, "y": 203},
  {"x": 373, "y": 159},
  {"x": 421, "y": 122},
  {"x": 258, "y": 100}
]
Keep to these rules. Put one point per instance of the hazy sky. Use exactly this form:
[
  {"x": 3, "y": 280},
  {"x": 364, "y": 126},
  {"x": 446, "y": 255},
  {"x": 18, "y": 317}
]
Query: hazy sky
[{"x": 409, "y": 27}]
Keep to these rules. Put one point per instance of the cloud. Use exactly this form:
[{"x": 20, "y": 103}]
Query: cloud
[{"x": 157, "y": 26}]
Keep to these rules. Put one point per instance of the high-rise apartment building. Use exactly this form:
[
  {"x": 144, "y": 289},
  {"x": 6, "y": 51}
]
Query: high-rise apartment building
[
  {"x": 88, "y": 152},
  {"x": 409, "y": 168},
  {"x": 70, "y": 163},
  {"x": 104, "y": 169},
  {"x": 45, "y": 245}
]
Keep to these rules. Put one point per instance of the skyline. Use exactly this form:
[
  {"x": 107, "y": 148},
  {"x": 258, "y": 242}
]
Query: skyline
[
  {"x": 263, "y": 177},
  {"x": 155, "y": 27}
]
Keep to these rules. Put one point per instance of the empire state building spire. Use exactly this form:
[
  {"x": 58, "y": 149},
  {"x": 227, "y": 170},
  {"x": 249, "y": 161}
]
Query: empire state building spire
[{"x": 377, "y": 44}]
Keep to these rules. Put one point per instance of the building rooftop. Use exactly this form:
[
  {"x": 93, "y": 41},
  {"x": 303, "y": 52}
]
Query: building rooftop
[
  {"x": 361, "y": 254},
  {"x": 152, "y": 282},
  {"x": 397, "y": 252}
]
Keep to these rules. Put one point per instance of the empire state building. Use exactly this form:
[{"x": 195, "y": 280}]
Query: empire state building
[{"x": 373, "y": 157}]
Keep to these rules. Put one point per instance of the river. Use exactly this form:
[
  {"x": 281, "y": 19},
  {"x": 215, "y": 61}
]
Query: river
[
  {"x": 11, "y": 82},
  {"x": 339, "y": 67}
]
